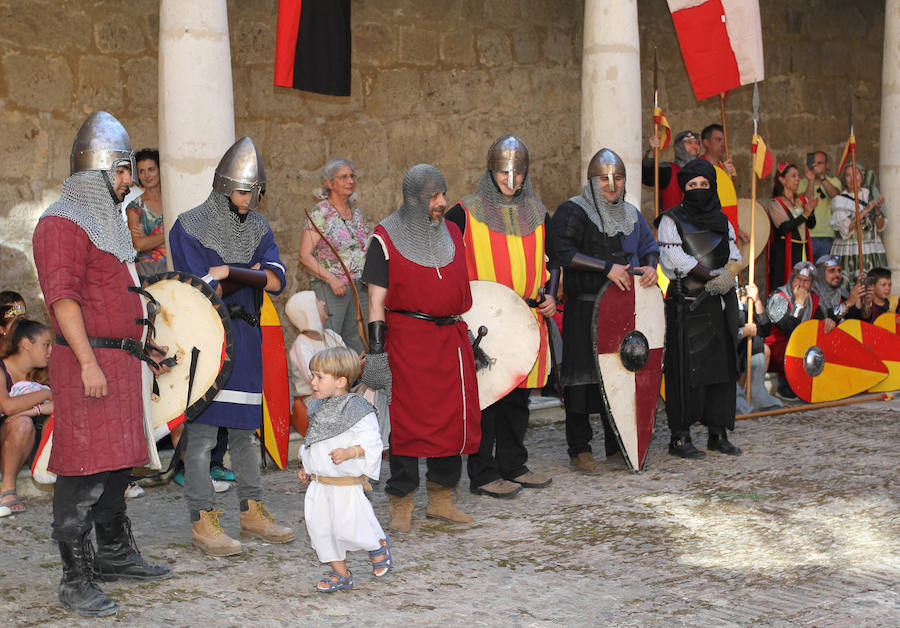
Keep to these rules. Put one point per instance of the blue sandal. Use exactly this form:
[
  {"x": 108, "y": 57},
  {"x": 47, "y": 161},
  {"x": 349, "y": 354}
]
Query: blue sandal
[
  {"x": 335, "y": 582},
  {"x": 381, "y": 567}
]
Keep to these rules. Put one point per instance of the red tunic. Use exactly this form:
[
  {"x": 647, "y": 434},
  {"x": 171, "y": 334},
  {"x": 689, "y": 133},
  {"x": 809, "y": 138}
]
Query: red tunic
[
  {"x": 434, "y": 403},
  {"x": 91, "y": 435}
]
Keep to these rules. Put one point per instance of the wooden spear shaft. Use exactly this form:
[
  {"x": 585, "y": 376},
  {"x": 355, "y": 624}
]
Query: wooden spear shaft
[
  {"x": 817, "y": 406},
  {"x": 859, "y": 253},
  {"x": 655, "y": 170},
  {"x": 751, "y": 269},
  {"x": 724, "y": 127}
]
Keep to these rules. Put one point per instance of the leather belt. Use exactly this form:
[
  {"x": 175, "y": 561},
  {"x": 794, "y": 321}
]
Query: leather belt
[
  {"x": 132, "y": 347},
  {"x": 437, "y": 320},
  {"x": 239, "y": 313},
  {"x": 344, "y": 480}
]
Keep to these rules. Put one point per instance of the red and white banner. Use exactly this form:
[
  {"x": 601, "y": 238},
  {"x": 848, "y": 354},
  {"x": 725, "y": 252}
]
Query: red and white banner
[{"x": 721, "y": 41}]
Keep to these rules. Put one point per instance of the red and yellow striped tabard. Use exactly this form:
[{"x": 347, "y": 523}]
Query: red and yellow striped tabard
[{"x": 517, "y": 262}]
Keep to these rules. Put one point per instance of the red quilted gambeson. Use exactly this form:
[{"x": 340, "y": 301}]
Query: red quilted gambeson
[{"x": 91, "y": 435}]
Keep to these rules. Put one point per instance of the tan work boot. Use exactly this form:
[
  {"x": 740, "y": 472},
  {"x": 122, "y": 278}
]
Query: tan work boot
[
  {"x": 208, "y": 535},
  {"x": 258, "y": 522},
  {"x": 586, "y": 463},
  {"x": 401, "y": 512},
  {"x": 500, "y": 488},
  {"x": 440, "y": 505}
]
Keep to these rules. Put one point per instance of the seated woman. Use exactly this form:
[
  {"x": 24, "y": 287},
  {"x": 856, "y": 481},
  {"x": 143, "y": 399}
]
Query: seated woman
[
  {"x": 12, "y": 308},
  {"x": 28, "y": 349},
  {"x": 145, "y": 216},
  {"x": 792, "y": 216},
  {"x": 871, "y": 223}
]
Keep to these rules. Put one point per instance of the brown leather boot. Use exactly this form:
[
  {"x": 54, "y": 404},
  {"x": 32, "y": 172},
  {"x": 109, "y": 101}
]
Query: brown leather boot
[
  {"x": 586, "y": 464},
  {"x": 440, "y": 505},
  {"x": 258, "y": 522},
  {"x": 401, "y": 512},
  {"x": 209, "y": 536}
]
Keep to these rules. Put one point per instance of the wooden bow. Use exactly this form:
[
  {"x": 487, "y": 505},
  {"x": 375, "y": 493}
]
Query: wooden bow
[{"x": 360, "y": 323}]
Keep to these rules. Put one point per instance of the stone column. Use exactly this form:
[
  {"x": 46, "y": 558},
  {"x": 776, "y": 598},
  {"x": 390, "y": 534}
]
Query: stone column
[
  {"x": 611, "y": 87},
  {"x": 889, "y": 157},
  {"x": 196, "y": 100}
]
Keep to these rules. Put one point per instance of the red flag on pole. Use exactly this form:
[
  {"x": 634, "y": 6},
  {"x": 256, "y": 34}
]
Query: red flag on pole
[
  {"x": 763, "y": 160},
  {"x": 721, "y": 41},
  {"x": 312, "y": 46},
  {"x": 665, "y": 131},
  {"x": 849, "y": 146}
]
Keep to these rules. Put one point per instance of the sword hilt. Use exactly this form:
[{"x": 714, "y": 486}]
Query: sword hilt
[{"x": 482, "y": 332}]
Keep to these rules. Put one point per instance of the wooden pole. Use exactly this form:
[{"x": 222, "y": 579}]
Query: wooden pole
[
  {"x": 859, "y": 253},
  {"x": 751, "y": 269},
  {"x": 725, "y": 128},
  {"x": 817, "y": 406},
  {"x": 655, "y": 171}
]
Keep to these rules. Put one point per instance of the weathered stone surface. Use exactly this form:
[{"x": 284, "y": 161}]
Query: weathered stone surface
[
  {"x": 301, "y": 146},
  {"x": 363, "y": 143},
  {"x": 252, "y": 41},
  {"x": 25, "y": 146},
  {"x": 43, "y": 26},
  {"x": 141, "y": 85},
  {"x": 38, "y": 83},
  {"x": 100, "y": 83},
  {"x": 526, "y": 45},
  {"x": 458, "y": 47},
  {"x": 118, "y": 32},
  {"x": 394, "y": 93},
  {"x": 558, "y": 46},
  {"x": 493, "y": 48},
  {"x": 418, "y": 46},
  {"x": 373, "y": 44},
  {"x": 452, "y": 91}
]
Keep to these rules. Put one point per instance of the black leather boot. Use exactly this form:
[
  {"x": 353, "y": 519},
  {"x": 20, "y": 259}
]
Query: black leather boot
[
  {"x": 77, "y": 591},
  {"x": 118, "y": 555},
  {"x": 681, "y": 446},
  {"x": 719, "y": 442}
]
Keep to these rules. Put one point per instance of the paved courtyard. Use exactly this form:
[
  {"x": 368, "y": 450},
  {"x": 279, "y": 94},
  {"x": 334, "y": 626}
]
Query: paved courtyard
[{"x": 803, "y": 529}]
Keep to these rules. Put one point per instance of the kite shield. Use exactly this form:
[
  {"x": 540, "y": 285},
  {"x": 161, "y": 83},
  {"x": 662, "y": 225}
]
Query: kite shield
[{"x": 629, "y": 331}]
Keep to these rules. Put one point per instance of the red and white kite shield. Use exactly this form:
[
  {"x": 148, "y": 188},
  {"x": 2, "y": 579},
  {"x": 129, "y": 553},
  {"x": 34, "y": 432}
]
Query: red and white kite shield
[{"x": 629, "y": 332}]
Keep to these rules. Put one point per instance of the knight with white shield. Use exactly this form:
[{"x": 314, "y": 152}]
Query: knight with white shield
[
  {"x": 228, "y": 243},
  {"x": 506, "y": 231}
]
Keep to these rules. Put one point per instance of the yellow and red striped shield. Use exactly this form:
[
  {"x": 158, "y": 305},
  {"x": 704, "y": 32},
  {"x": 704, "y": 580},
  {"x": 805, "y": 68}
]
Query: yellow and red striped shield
[
  {"x": 276, "y": 423},
  {"x": 825, "y": 367},
  {"x": 888, "y": 321},
  {"x": 884, "y": 344}
]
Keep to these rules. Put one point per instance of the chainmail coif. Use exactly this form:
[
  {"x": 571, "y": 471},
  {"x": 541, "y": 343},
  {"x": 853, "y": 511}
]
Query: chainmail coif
[
  {"x": 87, "y": 202},
  {"x": 519, "y": 216},
  {"x": 611, "y": 218},
  {"x": 220, "y": 229},
  {"x": 335, "y": 415},
  {"x": 411, "y": 230}
]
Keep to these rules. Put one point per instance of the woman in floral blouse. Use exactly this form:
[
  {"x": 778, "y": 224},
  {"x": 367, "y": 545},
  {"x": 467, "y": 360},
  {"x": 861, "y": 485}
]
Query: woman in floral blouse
[
  {"x": 145, "y": 216},
  {"x": 347, "y": 230}
]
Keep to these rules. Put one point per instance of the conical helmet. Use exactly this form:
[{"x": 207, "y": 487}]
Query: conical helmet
[
  {"x": 241, "y": 168},
  {"x": 102, "y": 142},
  {"x": 510, "y": 155},
  {"x": 605, "y": 163}
]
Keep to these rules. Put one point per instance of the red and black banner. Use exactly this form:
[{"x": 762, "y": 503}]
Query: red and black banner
[{"x": 312, "y": 46}]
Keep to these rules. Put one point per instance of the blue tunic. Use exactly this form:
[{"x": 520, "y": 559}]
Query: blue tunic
[{"x": 239, "y": 403}]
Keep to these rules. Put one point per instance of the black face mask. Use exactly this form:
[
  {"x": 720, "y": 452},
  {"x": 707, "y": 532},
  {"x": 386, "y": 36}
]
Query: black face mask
[{"x": 699, "y": 197}]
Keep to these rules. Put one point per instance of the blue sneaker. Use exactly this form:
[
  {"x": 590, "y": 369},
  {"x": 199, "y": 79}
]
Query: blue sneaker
[
  {"x": 218, "y": 472},
  {"x": 178, "y": 478}
]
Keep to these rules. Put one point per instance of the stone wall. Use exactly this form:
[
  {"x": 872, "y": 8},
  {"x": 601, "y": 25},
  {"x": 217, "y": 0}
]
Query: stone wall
[{"x": 433, "y": 80}]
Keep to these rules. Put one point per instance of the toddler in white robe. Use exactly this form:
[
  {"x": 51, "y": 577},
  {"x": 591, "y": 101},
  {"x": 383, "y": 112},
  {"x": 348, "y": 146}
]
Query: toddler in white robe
[{"x": 342, "y": 450}]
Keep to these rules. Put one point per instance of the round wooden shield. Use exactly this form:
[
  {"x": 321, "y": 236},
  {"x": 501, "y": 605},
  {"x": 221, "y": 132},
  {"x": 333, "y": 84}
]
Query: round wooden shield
[
  {"x": 512, "y": 342},
  {"x": 191, "y": 317},
  {"x": 826, "y": 367},
  {"x": 888, "y": 321},
  {"x": 884, "y": 344},
  {"x": 762, "y": 229},
  {"x": 629, "y": 332}
]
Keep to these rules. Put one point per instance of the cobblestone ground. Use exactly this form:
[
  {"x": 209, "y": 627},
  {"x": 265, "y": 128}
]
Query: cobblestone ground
[{"x": 803, "y": 529}]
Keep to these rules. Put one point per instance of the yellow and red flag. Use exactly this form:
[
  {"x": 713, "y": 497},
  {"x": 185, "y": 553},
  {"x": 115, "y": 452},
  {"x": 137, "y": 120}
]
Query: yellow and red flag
[
  {"x": 665, "y": 131},
  {"x": 763, "y": 160},
  {"x": 849, "y": 146}
]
